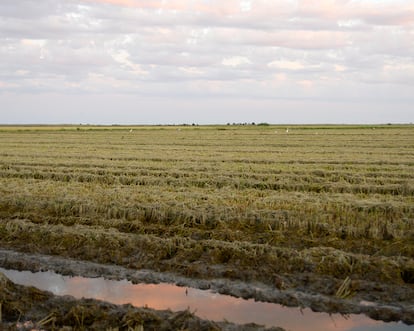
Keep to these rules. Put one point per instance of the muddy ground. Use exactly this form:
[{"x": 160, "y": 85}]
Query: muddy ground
[{"x": 377, "y": 300}]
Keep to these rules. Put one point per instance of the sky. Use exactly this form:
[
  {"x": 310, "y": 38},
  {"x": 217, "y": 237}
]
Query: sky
[{"x": 206, "y": 61}]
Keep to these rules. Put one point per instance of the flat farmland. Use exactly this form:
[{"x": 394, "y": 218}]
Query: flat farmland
[{"x": 327, "y": 210}]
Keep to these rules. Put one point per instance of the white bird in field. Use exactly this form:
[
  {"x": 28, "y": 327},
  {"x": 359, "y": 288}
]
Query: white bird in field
[
  {"x": 287, "y": 130},
  {"x": 130, "y": 130}
]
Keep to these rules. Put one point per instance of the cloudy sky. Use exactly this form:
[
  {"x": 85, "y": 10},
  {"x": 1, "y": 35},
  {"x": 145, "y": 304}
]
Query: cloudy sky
[{"x": 206, "y": 61}]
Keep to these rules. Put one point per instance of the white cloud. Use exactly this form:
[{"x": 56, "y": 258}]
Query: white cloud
[
  {"x": 245, "y": 5},
  {"x": 339, "y": 68},
  {"x": 193, "y": 71},
  {"x": 290, "y": 65},
  {"x": 123, "y": 57},
  {"x": 235, "y": 61}
]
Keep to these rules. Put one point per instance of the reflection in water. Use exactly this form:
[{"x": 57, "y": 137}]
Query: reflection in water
[{"x": 206, "y": 304}]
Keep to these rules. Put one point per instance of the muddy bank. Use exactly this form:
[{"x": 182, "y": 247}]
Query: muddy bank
[{"x": 378, "y": 301}]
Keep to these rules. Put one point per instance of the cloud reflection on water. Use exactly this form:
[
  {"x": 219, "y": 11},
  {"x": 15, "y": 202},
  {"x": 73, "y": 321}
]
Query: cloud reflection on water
[{"x": 206, "y": 304}]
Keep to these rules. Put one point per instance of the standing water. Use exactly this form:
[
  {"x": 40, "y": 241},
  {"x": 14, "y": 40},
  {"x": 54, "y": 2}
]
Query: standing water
[{"x": 206, "y": 304}]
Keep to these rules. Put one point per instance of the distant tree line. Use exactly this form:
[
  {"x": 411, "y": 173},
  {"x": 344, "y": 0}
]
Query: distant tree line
[{"x": 252, "y": 123}]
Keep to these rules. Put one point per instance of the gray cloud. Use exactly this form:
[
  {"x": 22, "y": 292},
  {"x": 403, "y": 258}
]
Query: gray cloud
[{"x": 282, "y": 50}]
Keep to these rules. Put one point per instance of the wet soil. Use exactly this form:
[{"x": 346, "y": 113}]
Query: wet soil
[{"x": 377, "y": 300}]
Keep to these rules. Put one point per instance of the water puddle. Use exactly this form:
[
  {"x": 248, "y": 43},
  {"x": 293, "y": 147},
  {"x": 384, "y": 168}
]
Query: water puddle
[{"x": 206, "y": 304}]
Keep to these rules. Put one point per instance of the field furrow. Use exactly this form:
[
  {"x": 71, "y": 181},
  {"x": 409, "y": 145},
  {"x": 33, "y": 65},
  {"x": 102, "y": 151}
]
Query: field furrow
[{"x": 250, "y": 203}]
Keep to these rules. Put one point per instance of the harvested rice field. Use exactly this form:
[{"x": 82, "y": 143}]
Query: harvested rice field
[{"x": 318, "y": 217}]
